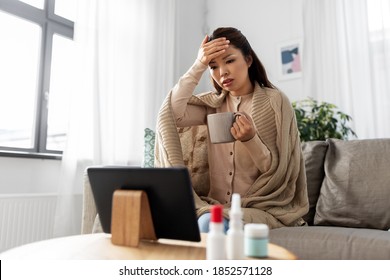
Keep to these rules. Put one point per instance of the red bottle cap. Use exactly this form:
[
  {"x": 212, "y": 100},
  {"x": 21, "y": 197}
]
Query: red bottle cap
[{"x": 216, "y": 213}]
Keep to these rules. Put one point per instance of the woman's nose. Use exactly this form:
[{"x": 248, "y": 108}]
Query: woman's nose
[{"x": 223, "y": 70}]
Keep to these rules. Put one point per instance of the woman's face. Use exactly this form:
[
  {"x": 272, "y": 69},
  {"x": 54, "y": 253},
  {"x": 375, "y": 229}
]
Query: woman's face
[{"x": 230, "y": 71}]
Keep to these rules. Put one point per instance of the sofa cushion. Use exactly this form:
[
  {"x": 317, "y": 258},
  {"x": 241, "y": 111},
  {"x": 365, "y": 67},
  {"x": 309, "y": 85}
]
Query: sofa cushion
[
  {"x": 194, "y": 146},
  {"x": 333, "y": 243},
  {"x": 314, "y": 153},
  {"x": 356, "y": 188},
  {"x": 149, "y": 139}
]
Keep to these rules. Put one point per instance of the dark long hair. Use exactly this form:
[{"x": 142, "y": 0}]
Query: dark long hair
[{"x": 256, "y": 71}]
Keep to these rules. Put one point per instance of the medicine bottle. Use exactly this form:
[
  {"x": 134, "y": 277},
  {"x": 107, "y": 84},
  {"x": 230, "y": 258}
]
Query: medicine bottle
[
  {"x": 256, "y": 240},
  {"x": 216, "y": 238},
  {"x": 235, "y": 233}
]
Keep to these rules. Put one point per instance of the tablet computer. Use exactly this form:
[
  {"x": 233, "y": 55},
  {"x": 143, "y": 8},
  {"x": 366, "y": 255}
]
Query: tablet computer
[{"x": 169, "y": 192}]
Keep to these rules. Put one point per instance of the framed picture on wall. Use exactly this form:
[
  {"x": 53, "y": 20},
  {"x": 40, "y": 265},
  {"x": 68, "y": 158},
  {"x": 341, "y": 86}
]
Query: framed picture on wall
[{"x": 289, "y": 59}]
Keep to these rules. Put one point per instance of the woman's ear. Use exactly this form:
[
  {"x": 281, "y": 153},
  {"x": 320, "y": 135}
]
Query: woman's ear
[{"x": 249, "y": 60}]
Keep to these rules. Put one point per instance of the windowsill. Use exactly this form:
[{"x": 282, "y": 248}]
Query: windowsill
[{"x": 30, "y": 155}]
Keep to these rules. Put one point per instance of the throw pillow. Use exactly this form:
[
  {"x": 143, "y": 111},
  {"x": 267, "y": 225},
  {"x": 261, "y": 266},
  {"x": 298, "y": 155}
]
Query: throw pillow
[
  {"x": 314, "y": 153},
  {"x": 194, "y": 145},
  {"x": 149, "y": 138},
  {"x": 356, "y": 188}
]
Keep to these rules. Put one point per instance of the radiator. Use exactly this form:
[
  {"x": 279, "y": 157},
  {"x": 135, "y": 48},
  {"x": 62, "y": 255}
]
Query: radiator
[{"x": 26, "y": 218}]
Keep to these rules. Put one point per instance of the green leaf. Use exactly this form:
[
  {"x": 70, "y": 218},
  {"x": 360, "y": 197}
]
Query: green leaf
[{"x": 321, "y": 120}]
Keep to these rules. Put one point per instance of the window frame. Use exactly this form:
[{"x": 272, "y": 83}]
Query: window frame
[{"x": 51, "y": 24}]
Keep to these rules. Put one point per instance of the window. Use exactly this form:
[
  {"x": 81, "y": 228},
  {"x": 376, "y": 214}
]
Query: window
[{"x": 36, "y": 44}]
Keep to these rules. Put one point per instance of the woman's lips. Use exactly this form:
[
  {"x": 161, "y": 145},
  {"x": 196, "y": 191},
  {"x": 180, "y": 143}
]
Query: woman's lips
[{"x": 227, "y": 82}]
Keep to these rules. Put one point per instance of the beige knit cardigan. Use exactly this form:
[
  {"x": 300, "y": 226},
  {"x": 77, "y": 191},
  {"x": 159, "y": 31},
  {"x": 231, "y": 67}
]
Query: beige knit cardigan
[{"x": 278, "y": 197}]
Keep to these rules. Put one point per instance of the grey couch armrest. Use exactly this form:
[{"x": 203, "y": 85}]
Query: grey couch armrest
[{"x": 89, "y": 208}]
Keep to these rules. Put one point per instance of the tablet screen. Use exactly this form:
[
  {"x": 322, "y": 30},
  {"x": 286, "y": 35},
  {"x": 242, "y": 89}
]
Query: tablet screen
[{"x": 169, "y": 192}]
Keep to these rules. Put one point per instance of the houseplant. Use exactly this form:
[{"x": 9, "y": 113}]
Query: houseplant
[{"x": 321, "y": 120}]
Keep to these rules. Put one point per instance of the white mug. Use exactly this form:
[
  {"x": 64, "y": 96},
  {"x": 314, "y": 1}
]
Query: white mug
[{"x": 219, "y": 125}]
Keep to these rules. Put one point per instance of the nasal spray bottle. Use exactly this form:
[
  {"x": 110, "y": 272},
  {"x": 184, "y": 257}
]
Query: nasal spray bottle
[
  {"x": 215, "y": 249},
  {"x": 235, "y": 233}
]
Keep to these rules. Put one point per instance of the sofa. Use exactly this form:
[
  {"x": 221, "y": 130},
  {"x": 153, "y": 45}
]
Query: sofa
[{"x": 349, "y": 195}]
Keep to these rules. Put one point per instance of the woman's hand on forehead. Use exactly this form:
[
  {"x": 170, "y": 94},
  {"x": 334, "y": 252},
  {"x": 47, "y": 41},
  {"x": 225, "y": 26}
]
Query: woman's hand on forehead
[{"x": 211, "y": 49}]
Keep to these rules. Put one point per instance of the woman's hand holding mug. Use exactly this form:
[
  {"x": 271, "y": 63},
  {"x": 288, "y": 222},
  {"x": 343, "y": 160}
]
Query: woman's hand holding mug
[{"x": 243, "y": 128}]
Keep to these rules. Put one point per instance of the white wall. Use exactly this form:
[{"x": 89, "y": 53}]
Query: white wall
[
  {"x": 25, "y": 175},
  {"x": 190, "y": 30}
]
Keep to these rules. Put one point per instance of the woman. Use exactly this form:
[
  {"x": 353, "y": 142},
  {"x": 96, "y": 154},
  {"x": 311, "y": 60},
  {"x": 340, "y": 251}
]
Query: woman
[{"x": 265, "y": 164}]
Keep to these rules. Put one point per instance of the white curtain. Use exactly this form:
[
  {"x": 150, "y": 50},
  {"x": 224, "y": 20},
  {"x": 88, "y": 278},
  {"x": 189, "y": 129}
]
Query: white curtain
[
  {"x": 346, "y": 60},
  {"x": 123, "y": 71}
]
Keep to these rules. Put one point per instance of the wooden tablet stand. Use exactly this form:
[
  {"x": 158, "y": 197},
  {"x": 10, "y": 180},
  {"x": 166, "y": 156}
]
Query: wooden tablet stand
[{"x": 131, "y": 218}]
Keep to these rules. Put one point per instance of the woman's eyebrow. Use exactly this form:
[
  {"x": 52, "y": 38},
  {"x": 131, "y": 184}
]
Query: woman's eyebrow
[{"x": 225, "y": 57}]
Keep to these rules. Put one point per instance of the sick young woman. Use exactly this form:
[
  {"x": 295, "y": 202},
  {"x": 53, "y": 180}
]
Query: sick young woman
[{"x": 264, "y": 164}]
